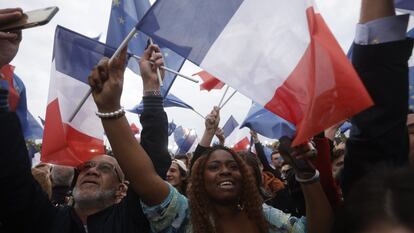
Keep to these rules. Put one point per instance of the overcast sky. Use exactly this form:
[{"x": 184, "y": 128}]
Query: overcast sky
[{"x": 90, "y": 17}]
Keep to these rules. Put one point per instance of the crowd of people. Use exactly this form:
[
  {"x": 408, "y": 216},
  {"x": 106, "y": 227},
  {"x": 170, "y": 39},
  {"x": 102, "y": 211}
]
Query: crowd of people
[{"x": 362, "y": 185}]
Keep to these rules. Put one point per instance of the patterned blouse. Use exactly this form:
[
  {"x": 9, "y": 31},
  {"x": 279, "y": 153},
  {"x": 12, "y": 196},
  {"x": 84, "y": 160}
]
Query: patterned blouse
[{"x": 173, "y": 216}]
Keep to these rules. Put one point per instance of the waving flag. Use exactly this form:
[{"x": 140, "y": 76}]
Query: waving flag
[
  {"x": 125, "y": 14},
  {"x": 405, "y": 5},
  {"x": 18, "y": 103},
  {"x": 267, "y": 123},
  {"x": 282, "y": 56},
  {"x": 171, "y": 128},
  {"x": 64, "y": 142},
  {"x": 242, "y": 145},
  {"x": 184, "y": 138},
  {"x": 209, "y": 81},
  {"x": 230, "y": 125},
  {"x": 169, "y": 101}
]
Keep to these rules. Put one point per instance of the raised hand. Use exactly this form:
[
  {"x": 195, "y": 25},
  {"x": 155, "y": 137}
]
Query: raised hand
[
  {"x": 212, "y": 120},
  {"x": 106, "y": 81},
  {"x": 149, "y": 71},
  {"x": 220, "y": 136},
  {"x": 298, "y": 157},
  {"x": 254, "y": 136}
]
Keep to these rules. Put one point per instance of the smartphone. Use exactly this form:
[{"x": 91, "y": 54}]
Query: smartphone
[
  {"x": 31, "y": 19},
  {"x": 286, "y": 150}
]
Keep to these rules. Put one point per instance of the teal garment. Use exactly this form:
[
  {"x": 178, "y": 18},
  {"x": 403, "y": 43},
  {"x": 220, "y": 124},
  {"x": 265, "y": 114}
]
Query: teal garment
[{"x": 173, "y": 216}]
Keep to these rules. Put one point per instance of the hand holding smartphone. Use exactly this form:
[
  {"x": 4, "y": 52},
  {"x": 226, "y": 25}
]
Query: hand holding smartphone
[{"x": 28, "y": 20}]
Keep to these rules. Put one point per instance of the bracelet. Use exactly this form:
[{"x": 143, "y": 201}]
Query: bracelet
[
  {"x": 152, "y": 93},
  {"x": 311, "y": 180},
  {"x": 111, "y": 115}
]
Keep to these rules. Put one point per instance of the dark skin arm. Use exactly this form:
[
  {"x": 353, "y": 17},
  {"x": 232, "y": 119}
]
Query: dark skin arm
[{"x": 106, "y": 81}]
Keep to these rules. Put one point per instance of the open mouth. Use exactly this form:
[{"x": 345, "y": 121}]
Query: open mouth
[{"x": 226, "y": 184}]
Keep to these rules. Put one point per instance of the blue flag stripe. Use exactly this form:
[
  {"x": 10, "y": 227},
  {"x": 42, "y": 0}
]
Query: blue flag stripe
[
  {"x": 76, "y": 54},
  {"x": 199, "y": 22}
]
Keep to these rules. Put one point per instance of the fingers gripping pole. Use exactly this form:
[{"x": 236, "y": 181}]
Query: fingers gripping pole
[{"x": 158, "y": 69}]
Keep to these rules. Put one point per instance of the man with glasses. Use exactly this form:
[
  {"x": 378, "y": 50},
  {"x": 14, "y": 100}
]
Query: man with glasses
[{"x": 102, "y": 201}]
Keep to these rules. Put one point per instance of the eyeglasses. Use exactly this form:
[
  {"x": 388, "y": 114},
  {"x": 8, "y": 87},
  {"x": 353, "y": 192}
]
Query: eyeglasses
[{"x": 102, "y": 167}]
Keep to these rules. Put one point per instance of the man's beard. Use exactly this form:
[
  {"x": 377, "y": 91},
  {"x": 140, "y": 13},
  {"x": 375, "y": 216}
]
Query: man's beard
[{"x": 94, "y": 200}]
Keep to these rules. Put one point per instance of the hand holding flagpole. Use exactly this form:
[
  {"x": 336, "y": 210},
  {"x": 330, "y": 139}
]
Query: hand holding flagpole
[
  {"x": 158, "y": 69},
  {"x": 117, "y": 52}
]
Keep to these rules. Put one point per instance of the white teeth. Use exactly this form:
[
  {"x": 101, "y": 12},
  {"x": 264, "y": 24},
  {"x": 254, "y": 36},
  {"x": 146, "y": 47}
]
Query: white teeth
[{"x": 226, "y": 183}]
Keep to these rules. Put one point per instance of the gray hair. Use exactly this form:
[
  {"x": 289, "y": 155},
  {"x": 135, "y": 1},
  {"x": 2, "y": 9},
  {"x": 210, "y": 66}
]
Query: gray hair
[{"x": 62, "y": 175}]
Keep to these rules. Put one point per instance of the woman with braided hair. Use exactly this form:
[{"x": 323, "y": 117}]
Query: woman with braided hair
[{"x": 222, "y": 194}]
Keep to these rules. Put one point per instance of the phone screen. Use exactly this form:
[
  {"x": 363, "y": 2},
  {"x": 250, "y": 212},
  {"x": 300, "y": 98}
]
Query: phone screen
[{"x": 31, "y": 19}]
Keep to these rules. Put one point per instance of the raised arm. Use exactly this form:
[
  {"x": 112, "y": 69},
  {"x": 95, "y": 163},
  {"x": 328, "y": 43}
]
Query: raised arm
[
  {"x": 154, "y": 135},
  {"x": 319, "y": 215},
  {"x": 106, "y": 81},
  {"x": 380, "y": 56},
  {"x": 211, "y": 124}
]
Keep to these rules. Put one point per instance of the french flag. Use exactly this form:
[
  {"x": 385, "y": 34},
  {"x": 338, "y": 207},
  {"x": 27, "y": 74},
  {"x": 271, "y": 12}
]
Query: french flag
[
  {"x": 64, "y": 142},
  {"x": 280, "y": 54}
]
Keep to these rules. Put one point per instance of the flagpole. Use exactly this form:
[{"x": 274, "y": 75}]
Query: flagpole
[
  {"x": 116, "y": 54},
  {"x": 158, "y": 69},
  {"x": 234, "y": 92},
  {"x": 170, "y": 70},
  {"x": 199, "y": 114},
  {"x": 222, "y": 98}
]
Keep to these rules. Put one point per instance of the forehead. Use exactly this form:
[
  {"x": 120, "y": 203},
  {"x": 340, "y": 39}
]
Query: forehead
[
  {"x": 275, "y": 155},
  {"x": 174, "y": 165},
  {"x": 220, "y": 155},
  {"x": 104, "y": 158}
]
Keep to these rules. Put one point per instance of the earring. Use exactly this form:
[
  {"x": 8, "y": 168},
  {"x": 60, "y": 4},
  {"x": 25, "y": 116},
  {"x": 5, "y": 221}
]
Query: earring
[{"x": 240, "y": 206}]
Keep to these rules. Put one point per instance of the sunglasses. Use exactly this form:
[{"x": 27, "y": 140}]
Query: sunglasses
[{"x": 102, "y": 167}]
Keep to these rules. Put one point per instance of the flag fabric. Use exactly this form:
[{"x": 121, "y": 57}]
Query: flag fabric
[
  {"x": 169, "y": 101},
  {"x": 134, "y": 128},
  {"x": 282, "y": 56},
  {"x": 209, "y": 81},
  {"x": 125, "y": 14},
  {"x": 230, "y": 125},
  {"x": 18, "y": 103},
  {"x": 184, "y": 138},
  {"x": 64, "y": 142},
  {"x": 242, "y": 145},
  {"x": 267, "y": 123},
  {"x": 171, "y": 128},
  {"x": 404, "y": 5}
]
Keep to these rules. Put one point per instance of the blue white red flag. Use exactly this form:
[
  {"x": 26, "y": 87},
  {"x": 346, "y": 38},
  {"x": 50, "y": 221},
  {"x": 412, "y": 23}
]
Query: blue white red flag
[
  {"x": 184, "y": 138},
  {"x": 404, "y": 5},
  {"x": 242, "y": 145},
  {"x": 267, "y": 123},
  {"x": 171, "y": 128},
  {"x": 18, "y": 103},
  {"x": 64, "y": 142},
  {"x": 169, "y": 101},
  {"x": 125, "y": 14},
  {"x": 230, "y": 125},
  {"x": 209, "y": 81},
  {"x": 282, "y": 56}
]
